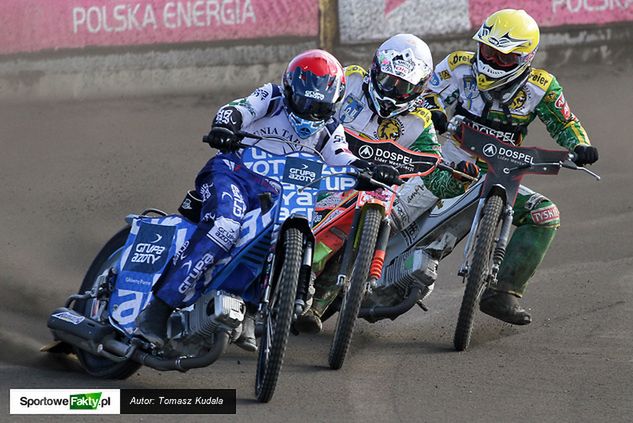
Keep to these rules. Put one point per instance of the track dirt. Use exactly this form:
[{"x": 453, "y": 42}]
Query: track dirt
[{"x": 71, "y": 171}]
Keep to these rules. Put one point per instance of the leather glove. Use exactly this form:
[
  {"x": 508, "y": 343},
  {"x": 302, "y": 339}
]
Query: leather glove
[
  {"x": 386, "y": 174},
  {"x": 585, "y": 154},
  {"x": 440, "y": 121},
  {"x": 469, "y": 168},
  {"x": 230, "y": 119}
]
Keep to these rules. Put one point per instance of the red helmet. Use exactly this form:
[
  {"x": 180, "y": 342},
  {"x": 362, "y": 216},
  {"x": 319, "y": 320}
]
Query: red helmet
[{"x": 314, "y": 85}]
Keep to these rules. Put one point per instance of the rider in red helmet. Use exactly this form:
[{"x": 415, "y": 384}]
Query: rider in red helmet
[{"x": 299, "y": 113}]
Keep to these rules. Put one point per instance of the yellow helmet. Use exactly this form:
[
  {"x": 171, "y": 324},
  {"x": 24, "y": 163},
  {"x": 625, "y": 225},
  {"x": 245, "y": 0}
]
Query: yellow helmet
[{"x": 508, "y": 40}]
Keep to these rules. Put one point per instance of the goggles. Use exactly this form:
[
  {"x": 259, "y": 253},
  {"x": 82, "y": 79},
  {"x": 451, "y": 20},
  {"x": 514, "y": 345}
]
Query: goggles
[
  {"x": 312, "y": 109},
  {"x": 495, "y": 57},
  {"x": 397, "y": 89}
]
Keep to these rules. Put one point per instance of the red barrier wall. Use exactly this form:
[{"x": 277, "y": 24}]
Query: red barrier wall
[
  {"x": 33, "y": 25},
  {"x": 557, "y": 12}
]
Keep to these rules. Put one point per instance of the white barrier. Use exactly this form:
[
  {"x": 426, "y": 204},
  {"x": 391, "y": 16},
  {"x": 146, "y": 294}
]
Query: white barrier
[{"x": 362, "y": 21}]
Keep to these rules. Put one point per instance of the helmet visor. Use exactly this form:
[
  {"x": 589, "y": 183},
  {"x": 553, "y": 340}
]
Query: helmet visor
[
  {"x": 312, "y": 109},
  {"x": 397, "y": 89},
  {"x": 497, "y": 59}
]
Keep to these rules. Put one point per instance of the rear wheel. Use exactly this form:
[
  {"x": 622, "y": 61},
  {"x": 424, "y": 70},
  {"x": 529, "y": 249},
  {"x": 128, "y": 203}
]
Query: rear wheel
[
  {"x": 478, "y": 272},
  {"x": 272, "y": 345},
  {"x": 352, "y": 299},
  {"x": 107, "y": 258}
]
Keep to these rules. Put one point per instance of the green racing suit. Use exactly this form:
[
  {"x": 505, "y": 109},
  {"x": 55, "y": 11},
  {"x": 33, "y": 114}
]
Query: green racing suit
[{"x": 453, "y": 91}]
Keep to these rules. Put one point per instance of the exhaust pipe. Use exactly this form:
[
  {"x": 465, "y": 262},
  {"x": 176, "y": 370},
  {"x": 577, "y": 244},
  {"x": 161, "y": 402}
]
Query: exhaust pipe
[
  {"x": 184, "y": 363},
  {"x": 373, "y": 314},
  {"x": 96, "y": 338}
]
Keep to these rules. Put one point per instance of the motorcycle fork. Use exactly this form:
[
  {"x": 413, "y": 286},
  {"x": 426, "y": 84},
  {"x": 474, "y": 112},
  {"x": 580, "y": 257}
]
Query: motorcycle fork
[
  {"x": 470, "y": 241},
  {"x": 304, "y": 278},
  {"x": 348, "y": 251},
  {"x": 377, "y": 262},
  {"x": 499, "y": 251}
]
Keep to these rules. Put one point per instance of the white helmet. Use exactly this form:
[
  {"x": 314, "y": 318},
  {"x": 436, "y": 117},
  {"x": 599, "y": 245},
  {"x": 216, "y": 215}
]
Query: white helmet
[{"x": 399, "y": 72}]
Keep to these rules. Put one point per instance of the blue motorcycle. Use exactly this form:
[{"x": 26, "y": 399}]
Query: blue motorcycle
[{"x": 269, "y": 266}]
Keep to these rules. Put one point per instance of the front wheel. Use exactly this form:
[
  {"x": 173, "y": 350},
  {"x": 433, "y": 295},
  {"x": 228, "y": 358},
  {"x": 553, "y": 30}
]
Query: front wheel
[
  {"x": 352, "y": 299},
  {"x": 272, "y": 345},
  {"x": 478, "y": 272},
  {"x": 107, "y": 258}
]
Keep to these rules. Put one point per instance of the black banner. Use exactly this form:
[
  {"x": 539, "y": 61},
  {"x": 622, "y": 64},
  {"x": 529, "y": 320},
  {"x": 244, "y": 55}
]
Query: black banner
[{"x": 178, "y": 401}]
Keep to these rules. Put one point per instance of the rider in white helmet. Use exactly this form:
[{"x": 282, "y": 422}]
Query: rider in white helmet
[{"x": 384, "y": 104}]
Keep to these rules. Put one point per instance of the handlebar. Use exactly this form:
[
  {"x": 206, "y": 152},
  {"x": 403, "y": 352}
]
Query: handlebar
[
  {"x": 457, "y": 121},
  {"x": 243, "y": 134}
]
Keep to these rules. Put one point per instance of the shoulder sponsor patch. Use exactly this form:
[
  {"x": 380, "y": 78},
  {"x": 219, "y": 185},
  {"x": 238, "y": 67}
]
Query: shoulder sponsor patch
[
  {"x": 459, "y": 58},
  {"x": 423, "y": 114},
  {"x": 541, "y": 78},
  {"x": 355, "y": 69}
]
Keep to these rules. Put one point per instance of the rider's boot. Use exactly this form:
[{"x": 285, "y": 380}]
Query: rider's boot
[
  {"x": 524, "y": 253},
  {"x": 504, "y": 306},
  {"x": 151, "y": 323},
  {"x": 247, "y": 341},
  {"x": 325, "y": 294}
]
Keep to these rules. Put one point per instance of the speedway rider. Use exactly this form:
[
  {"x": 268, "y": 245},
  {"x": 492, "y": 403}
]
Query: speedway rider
[
  {"x": 497, "y": 88},
  {"x": 382, "y": 104},
  {"x": 300, "y": 113}
]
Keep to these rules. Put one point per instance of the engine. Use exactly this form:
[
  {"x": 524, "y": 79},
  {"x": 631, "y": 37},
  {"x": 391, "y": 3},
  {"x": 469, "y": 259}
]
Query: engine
[
  {"x": 416, "y": 266},
  {"x": 192, "y": 329}
]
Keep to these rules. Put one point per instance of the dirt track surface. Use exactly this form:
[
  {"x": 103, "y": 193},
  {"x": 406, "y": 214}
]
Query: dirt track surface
[{"x": 72, "y": 171}]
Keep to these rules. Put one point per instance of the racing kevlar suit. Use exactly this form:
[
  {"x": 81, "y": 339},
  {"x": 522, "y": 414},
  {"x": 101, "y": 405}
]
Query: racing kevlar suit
[
  {"x": 454, "y": 85},
  {"x": 413, "y": 130},
  {"x": 229, "y": 191}
]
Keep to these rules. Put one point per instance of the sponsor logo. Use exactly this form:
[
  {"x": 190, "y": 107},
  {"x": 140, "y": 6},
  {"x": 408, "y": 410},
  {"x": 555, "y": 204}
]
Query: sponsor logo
[
  {"x": 239, "y": 206},
  {"x": 519, "y": 100},
  {"x": 435, "y": 80},
  {"x": 196, "y": 272},
  {"x": 69, "y": 317},
  {"x": 458, "y": 58},
  {"x": 445, "y": 75},
  {"x": 351, "y": 109},
  {"x": 389, "y": 129},
  {"x": 539, "y": 79},
  {"x": 226, "y": 117},
  {"x": 562, "y": 105},
  {"x": 260, "y": 93},
  {"x": 301, "y": 172},
  {"x": 366, "y": 152},
  {"x": 314, "y": 94},
  {"x": 545, "y": 215},
  {"x": 224, "y": 232},
  {"x": 490, "y": 150},
  {"x": 382, "y": 155},
  {"x": 150, "y": 249},
  {"x": 505, "y": 136},
  {"x": 186, "y": 204}
]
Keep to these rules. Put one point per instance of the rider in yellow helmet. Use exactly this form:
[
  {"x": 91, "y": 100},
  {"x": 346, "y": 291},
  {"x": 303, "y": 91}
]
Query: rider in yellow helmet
[{"x": 498, "y": 90}]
